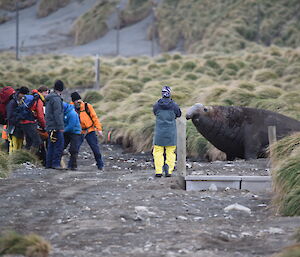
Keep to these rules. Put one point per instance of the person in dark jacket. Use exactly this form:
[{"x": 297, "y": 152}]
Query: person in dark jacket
[
  {"x": 54, "y": 117},
  {"x": 166, "y": 112},
  {"x": 14, "y": 130},
  {"x": 29, "y": 122},
  {"x": 72, "y": 134}
]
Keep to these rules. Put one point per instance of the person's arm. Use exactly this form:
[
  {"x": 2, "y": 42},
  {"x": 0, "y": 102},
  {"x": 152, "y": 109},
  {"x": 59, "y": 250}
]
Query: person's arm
[
  {"x": 155, "y": 108},
  {"x": 40, "y": 113},
  {"x": 9, "y": 110},
  {"x": 96, "y": 121},
  {"x": 95, "y": 118},
  {"x": 58, "y": 113},
  {"x": 177, "y": 110}
]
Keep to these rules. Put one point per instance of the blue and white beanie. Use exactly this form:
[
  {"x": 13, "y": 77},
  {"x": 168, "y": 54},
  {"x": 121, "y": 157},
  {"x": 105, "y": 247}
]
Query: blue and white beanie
[{"x": 166, "y": 92}]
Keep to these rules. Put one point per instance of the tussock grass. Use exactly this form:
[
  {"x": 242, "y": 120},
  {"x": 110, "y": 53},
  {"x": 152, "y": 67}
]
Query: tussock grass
[
  {"x": 92, "y": 97},
  {"x": 4, "y": 165},
  {"x": 23, "y": 156},
  {"x": 227, "y": 26},
  {"x": 135, "y": 11},
  {"x": 46, "y": 7},
  {"x": 196, "y": 144},
  {"x": 30, "y": 245},
  {"x": 290, "y": 251},
  {"x": 213, "y": 154},
  {"x": 297, "y": 235},
  {"x": 92, "y": 24},
  {"x": 11, "y": 6},
  {"x": 132, "y": 85},
  {"x": 286, "y": 175}
]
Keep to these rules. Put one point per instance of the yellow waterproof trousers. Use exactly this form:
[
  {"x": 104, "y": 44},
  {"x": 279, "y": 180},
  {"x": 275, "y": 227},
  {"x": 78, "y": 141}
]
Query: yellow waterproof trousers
[
  {"x": 158, "y": 155},
  {"x": 15, "y": 143}
]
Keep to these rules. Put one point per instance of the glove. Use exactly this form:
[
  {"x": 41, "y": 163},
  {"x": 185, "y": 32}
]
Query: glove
[
  {"x": 100, "y": 133},
  {"x": 43, "y": 133},
  {"x": 53, "y": 136}
]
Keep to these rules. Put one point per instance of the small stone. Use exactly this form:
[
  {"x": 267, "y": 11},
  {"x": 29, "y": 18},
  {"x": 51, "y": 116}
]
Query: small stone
[
  {"x": 213, "y": 187},
  {"x": 237, "y": 207},
  {"x": 181, "y": 218}
]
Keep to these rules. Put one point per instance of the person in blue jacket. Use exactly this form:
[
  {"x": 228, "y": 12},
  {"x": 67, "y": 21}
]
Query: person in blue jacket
[
  {"x": 166, "y": 112},
  {"x": 72, "y": 133}
]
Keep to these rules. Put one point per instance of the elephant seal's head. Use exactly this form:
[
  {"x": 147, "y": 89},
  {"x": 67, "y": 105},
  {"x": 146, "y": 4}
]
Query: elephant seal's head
[{"x": 195, "y": 111}]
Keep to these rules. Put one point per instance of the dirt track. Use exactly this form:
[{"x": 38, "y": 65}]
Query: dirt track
[{"x": 124, "y": 211}]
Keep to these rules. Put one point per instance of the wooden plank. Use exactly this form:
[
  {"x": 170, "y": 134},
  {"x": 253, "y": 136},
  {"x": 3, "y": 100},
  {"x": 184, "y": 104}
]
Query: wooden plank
[
  {"x": 181, "y": 151},
  {"x": 272, "y": 139}
]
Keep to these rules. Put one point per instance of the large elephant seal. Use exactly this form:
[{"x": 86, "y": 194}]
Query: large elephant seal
[{"x": 240, "y": 131}]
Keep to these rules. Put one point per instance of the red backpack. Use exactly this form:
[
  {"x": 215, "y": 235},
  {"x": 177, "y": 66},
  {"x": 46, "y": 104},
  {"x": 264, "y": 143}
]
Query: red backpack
[{"x": 5, "y": 94}]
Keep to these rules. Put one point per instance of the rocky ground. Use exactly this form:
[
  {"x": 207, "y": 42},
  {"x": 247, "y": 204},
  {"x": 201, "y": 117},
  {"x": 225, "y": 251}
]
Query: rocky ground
[{"x": 125, "y": 211}]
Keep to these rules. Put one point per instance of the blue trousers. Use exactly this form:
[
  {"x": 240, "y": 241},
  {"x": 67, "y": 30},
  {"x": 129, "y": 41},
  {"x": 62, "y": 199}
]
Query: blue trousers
[
  {"x": 55, "y": 151},
  {"x": 92, "y": 140}
]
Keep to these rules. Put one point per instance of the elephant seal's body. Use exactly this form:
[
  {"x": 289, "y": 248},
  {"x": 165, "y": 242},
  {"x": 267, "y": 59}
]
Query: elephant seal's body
[{"x": 240, "y": 131}]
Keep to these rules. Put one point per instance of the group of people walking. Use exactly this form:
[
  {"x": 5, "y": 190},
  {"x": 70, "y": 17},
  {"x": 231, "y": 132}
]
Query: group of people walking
[
  {"x": 65, "y": 124},
  {"x": 49, "y": 125}
]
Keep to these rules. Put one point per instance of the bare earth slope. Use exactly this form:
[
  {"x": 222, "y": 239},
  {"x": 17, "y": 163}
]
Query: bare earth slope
[
  {"x": 124, "y": 211},
  {"x": 52, "y": 34}
]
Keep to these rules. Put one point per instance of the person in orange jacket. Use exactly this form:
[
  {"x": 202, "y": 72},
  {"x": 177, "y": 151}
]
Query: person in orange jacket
[
  {"x": 90, "y": 125},
  {"x": 5, "y": 138}
]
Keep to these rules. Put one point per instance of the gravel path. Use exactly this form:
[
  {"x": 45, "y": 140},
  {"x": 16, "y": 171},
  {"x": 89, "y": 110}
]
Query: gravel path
[{"x": 125, "y": 211}]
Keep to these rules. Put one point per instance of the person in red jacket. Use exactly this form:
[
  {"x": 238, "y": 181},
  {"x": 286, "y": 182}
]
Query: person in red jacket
[{"x": 42, "y": 91}]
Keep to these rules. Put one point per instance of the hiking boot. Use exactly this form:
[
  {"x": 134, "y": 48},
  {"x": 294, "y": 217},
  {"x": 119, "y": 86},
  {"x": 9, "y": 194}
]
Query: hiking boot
[
  {"x": 158, "y": 174},
  {"x": 168, "y": 174},
  {"x": 58, "y": 168},
  {"x": 166, "y": 170}
]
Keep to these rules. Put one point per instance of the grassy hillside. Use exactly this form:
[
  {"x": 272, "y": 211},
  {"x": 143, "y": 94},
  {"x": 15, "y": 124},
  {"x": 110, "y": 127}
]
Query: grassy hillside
[
  {"x": 194, "y": 26},
  {"x": 227, "y": 25},
  {"x": 10, "y": 5},
  {"x": 45, "y": 7},
  {"x": 92, "y": 24},
  {"x": 263, "y": 78},
  {"x": 198, "y": 26}
]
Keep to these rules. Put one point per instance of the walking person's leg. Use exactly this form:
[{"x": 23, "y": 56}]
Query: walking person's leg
[
  {"x": 92, "y": 140},
  {"x": 73, "y": 151},
  {"x": 33, "y": 139},
  {"x": 49, "y": 156},
  {"x": 58, "y": 150},
  {"x": 15, "y": 143},
  {"x": 80, "y": 141},
  {"x": 158, "y": 156},
  {"x": 67, "y": 139},
  {"x": 43, "y": 152}
]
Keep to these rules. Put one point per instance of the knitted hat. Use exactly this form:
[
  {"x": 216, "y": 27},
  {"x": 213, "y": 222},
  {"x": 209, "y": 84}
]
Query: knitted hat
[
  {"x": 75, "y": 96},
  {"x": 23, "y": 90},
  {"x": 166, "y": 91},
  {"x": 59, "y": 85}
]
